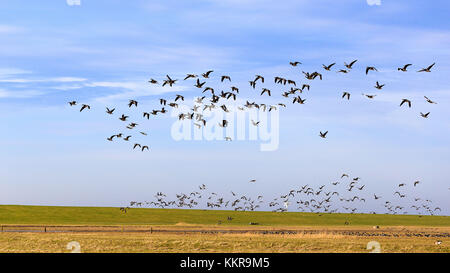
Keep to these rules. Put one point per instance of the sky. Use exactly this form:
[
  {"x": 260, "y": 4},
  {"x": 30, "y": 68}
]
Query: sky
[{"x": 103, "y": 53}]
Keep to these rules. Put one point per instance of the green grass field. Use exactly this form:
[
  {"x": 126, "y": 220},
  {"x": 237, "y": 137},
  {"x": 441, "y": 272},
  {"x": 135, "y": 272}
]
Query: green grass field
[
  {"x": 329, "y": 237},
  {"x": 45, "y": 215}
]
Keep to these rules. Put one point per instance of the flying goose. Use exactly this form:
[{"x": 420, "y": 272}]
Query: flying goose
[
  {"x": 199, "y": 84},
  {"x": 84, "y": 106},
  {"x": 370, "y": 68},
  {"x": 323, "y": 135},
  {"x": 424, "y": 115},
  {"x": 255, "y": 123},
  {"x": 428, "y": 69},
  {"x": 179, "y": 97},
  {"x": 299, "y": 100},
  {"x": 123, "y": 117},
  {"x": 328, "y": 67},
  {"x": 264, "y": 90},
  {"x": 259, "y": 77},
  {"x": 349, "y": 66},
  {"x": 406, "y": 101},
  {"x": 225, "y": 77},
  {"x": 190, "y": 76},
  {"x": 404, "y": 68},
  {"x": 429, "y": 101},
  {"x": 72, "y": 103},
  {"x": 224, "y": 123},
  {"x": 110, "y": 111},
  {"x": 169, "y": 81},
  {"x": 137, "y": 145},
  {"x": 369, "y": 96},
  {"x": 132, "y": 102},
  {"x": 206, "y": 75},
  {"x": 379, "y": 86},
  {"x": 295, "y": 63},
  {"x": 346, "y": 94}
]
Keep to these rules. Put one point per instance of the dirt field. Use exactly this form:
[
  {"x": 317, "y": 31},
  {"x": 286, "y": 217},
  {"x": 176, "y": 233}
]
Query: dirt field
[{"x": 201, "y": 239}]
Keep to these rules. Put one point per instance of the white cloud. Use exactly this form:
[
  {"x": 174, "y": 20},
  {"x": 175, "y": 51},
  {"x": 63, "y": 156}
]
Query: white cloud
[
  {"x": 9, "y": 29},
  {"x": 374, "y": 2},
  {"x": 60, "y": 79},
  {"x": 19, "y": 94},
  {"x": 6, "y": 72},
  {"x": 132, "y": 89}
]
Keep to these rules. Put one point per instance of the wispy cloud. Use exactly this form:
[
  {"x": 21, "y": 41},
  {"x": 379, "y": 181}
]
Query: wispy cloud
[
  {"x": 8, "y": 29},
  {"x": 21, "y": 94},
  {"x": 127, "y": 90}
]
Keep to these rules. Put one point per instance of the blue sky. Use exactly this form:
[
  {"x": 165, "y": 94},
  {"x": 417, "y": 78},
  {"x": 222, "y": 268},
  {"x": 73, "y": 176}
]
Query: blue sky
[{"x": 104, "y": 52}]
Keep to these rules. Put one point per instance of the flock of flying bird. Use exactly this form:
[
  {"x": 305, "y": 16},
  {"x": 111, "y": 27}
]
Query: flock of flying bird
[
  {"x": 317, "y": 200},
  {"x": 345, "y": 195},
  {"x": 196, "y": 112}
]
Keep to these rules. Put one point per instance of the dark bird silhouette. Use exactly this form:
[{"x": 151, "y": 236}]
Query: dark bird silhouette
[
  {"x": 406, "y": 101},
  {"x": 424, "y": 115},
  {"x": 265, "y": 90},
  {"x": 328, "y": 67},
  {"x": 132, "y": 102},
  {"x": 169, "y": 81},
  {"x": 72, "y": 103},
  {"x": 323, "y": 135},
  {"x": 259, "y": 77},
  {"x": 137, "y": 145},
  {"x": 428, "y": 69},
  {"x": 346, "y": 94},
  {"x": 349, "y": 66},
  {"x": 199, "y": 84},
  {"x": 224, "y": 123},
  {"x": 379, "y": 86},
  {"x": 404, "y": 68},
  {"x": 225, "y": 77},
  {"x": 369, "y": 96},
  {"x": 370, "y": 68},
  {"x": 123, "y": 117},
  {"x": 110, "y": 111},
  {"x": 84, "y": 106},
  {"x": 206, "y": 75},
  {"x": 294, "y": 63},
  {"x": 429, "y": 101},
  {"x": 190, "y": 76},
  {"x": 179, "y": 97}
]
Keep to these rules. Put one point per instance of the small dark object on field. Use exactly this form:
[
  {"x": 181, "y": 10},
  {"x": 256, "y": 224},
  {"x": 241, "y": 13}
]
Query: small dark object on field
[{"x": 253, "y": 223}]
